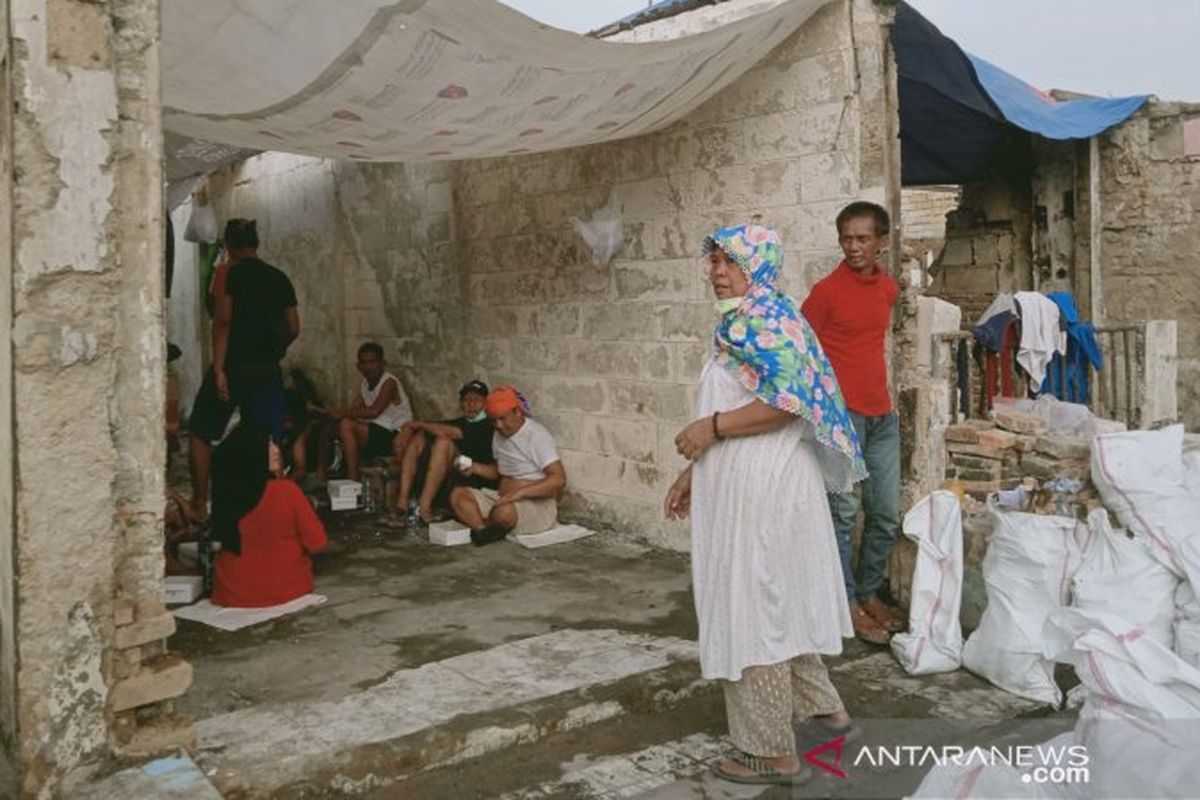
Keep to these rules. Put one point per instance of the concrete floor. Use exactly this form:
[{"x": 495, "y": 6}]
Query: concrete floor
[{"x": 436, "y": 672}]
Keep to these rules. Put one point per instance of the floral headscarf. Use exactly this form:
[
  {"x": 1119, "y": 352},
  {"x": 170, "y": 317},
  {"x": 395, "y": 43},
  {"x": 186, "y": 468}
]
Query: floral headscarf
[{"x": 772, "y": 351}]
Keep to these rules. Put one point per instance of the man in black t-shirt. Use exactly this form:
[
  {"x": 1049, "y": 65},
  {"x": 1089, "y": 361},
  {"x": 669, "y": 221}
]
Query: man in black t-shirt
[
  {"x": 426, "y": 463},
  {"x": 254, "y": 322}
]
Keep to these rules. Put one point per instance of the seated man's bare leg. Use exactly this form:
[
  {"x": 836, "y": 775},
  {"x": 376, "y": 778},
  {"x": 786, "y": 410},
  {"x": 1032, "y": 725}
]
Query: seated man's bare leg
[
  {"x": 440, "y": 459},
  {"x": 501, "y": 520},
  {"x": 466, "y": 509},
  {"x": 409, "y": 459},
  {"x": 326, "y": 431},
  {"x": 503, "y": 516},
  {"x": 353, "y": 435}
]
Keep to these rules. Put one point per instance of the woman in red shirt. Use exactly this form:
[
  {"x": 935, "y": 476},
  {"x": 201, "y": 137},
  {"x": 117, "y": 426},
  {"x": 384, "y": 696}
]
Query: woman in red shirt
[{"x": 266, "y": 526}]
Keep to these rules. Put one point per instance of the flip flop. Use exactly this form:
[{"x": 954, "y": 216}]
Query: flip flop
[
  {"x": 394, "y": 522},
  {"x": 762, "y": 773}
]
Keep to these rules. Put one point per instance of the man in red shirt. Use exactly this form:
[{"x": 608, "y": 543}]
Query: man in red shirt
[{"x": 850, "y": 311}]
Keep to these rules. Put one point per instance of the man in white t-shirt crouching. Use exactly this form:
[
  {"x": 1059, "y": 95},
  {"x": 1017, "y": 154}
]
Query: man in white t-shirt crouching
[{"x": 528, "y": 467}]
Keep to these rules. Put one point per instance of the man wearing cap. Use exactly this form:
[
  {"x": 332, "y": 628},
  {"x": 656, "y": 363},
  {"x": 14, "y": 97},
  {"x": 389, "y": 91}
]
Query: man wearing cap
[
  {"x": 429, "y": 456},
  {"x": 528, "y": 467}
]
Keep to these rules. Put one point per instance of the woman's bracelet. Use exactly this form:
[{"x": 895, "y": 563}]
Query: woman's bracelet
[{"x": 716, "y": 432}]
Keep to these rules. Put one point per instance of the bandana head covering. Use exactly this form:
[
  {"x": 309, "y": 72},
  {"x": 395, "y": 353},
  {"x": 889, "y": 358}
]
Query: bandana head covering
[
  {"x": 504, "y": 399},
  {"x": 767, "y": 344}
]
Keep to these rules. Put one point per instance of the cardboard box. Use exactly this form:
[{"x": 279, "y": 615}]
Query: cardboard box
[
  {"x": 182, "y": 589},
  {"x": 449, "y": 534}
]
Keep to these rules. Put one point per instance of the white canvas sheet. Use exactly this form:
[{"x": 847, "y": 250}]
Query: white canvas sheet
[
  {"x": 428, "y": 79},
  {"x": 232, "y": 619}
]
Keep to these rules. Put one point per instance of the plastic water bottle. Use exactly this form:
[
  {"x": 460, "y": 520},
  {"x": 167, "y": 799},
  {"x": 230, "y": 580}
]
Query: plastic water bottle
[
  {"x": 413, "y": 510},
  {"x": 368, "y": 499}
]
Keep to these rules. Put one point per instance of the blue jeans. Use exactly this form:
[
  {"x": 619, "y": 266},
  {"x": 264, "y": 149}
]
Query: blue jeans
[{"x": 879, "y": 496}]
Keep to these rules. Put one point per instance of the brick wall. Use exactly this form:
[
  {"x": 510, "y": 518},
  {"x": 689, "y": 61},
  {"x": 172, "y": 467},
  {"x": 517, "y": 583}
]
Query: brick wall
[{"x": 924, "y": 211}]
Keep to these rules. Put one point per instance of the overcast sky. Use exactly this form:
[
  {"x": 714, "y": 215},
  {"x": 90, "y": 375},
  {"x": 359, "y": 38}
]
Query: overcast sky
[{"x": 1103, "y": 47}]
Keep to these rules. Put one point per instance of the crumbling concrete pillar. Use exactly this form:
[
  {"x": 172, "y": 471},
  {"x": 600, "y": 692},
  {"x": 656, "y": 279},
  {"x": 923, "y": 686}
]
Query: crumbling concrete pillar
[
  {"x": 81, "y": 481},
  {"x": 1160, "y": 401}
]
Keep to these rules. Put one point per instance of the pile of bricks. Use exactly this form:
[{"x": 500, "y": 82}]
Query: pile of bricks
[
  {"x": 1016, "y": 448},
  {"x": 146, "y": 679}
]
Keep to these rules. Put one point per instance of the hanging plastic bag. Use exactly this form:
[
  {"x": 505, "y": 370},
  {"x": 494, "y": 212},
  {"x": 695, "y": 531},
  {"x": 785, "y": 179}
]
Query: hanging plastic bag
[
  {"x": 201, "y": 224},
  {"x": 603, "y": 232}
]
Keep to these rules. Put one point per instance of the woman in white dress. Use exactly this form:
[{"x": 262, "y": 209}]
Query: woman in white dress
[{"x": 772, "y": 436}]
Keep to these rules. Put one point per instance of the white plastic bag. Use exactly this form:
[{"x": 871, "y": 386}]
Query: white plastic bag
[
  {"x": 603, "y": 232},
  {"x": 201, "y": 224},
  {"x": 1140, "y": 475},
  {"x": 1028, "y": 568},
  {"x": 1140, "y": 722},
  {"x": 1119, "y": 576},
  {"x": 934, "y": 641}
]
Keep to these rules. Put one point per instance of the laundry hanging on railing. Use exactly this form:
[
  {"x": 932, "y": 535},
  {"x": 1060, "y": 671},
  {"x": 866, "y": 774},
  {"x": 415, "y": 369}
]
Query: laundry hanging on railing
[{"x": 1068, "y": 376}]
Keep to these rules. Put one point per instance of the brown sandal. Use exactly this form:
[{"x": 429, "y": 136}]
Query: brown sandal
[
  {"x": 884, "y": 616},
  {"x": 866, "y": 628}
]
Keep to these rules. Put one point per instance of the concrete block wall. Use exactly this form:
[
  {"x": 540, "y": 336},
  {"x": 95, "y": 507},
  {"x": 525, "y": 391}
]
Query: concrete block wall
[
  {"x": 401, "y": 284},
  {"x": 1150, "y": 212},
  {"x": 610, "y": 355},
  {"x": 924, "y": 211}
]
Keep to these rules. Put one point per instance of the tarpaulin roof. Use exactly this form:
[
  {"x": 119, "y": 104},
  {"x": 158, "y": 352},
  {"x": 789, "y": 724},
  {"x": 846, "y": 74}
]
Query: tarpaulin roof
[
  {"x": 955, "y": 108},
  {"x": 418, "y": 80}
]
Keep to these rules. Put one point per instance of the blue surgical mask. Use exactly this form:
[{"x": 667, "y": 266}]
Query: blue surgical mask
[{"x": 723, "y": 307}]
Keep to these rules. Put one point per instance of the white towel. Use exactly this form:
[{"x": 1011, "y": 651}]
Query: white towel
[{"x": 1041, "y": 337}]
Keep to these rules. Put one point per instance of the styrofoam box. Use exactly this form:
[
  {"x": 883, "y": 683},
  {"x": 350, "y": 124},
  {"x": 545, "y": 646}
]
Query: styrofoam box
[
  {"x": 344, "y": 490},
  {"x": 450, "y": 534},
  {"x": 181, "y": 589},
  {"x": 343, "y": 504}
]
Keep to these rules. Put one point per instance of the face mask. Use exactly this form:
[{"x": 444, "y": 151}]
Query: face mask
[
  {"x": 480, "y": 417},
  {"x": 723, "y": 307}
]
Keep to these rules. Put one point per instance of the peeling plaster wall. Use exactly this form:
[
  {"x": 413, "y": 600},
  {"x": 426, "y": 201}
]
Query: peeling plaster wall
[
  {"x": 1150, "y": 242},
  {"x": 87, "y": 378},
  {"x": 402, "y": 284},
  {"x": 8, "y": 643},
  {"x": 293, "y": 199}
]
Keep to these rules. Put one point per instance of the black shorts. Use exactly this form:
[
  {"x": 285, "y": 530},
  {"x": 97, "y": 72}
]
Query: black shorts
[
  {"x": 257, "y": 392},
  {"x": 379, "y": 441}
]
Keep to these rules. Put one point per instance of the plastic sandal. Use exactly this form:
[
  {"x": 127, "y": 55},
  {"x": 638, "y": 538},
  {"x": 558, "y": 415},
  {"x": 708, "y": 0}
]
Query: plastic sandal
[{"x": 762, "y": 773}]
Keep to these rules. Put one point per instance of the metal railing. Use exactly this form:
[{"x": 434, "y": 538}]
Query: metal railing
[{"x": 1114, "y": 391}]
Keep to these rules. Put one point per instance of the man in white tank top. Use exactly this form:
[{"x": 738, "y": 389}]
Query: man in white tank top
[{"x": 380, "y": 413}]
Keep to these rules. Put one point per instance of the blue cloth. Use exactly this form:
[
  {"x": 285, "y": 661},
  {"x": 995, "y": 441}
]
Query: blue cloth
[
  {"x": 991, "y": 333},
  {"x": 879, "y": 496},
  {"x": 1037, "y": 112},
  {"x": 1083, "y": 353}
]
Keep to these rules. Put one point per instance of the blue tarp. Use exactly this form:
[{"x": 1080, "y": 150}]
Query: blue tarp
[
  {"x": 957, "y": 109},
  {"x": 1037, "y": 112}
]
